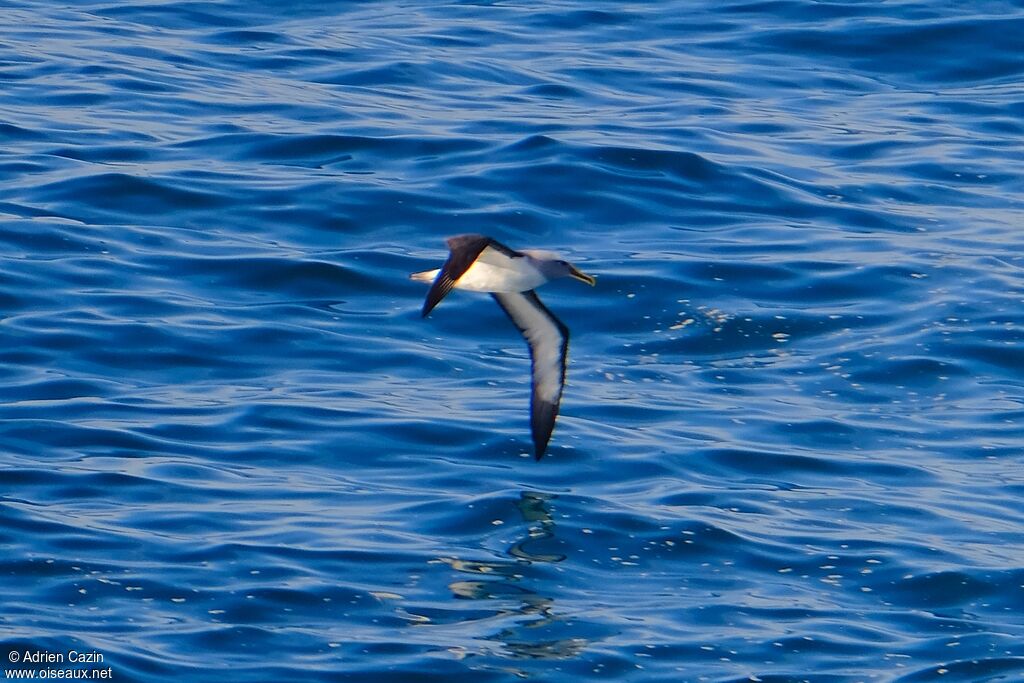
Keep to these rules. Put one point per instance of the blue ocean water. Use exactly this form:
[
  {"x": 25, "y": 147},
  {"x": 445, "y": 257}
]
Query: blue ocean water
[{"x": 791, "y": 443}]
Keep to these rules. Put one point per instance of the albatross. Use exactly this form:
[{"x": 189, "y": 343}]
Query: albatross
[{"x": 482, "y": 264}]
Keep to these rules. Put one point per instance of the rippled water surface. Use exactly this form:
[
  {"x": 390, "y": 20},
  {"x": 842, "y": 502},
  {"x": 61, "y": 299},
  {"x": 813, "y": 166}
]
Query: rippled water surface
[{"x": 791, "y": 443}]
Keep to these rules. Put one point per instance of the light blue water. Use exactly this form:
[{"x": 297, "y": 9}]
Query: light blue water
[{"x": 791, "y": 443}]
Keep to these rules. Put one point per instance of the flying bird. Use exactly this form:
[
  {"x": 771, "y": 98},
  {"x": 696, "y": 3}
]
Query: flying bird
[{"x": 482, "y": 264}]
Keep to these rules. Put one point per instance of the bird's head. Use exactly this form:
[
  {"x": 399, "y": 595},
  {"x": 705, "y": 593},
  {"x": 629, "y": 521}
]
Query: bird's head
[{"x": 554, "y": 267}]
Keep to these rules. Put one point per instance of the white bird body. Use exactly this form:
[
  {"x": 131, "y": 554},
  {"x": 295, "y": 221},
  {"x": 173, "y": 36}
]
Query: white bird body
[
  {"x": 493, "y": 275},
  {"x": 481, "y": 264}
]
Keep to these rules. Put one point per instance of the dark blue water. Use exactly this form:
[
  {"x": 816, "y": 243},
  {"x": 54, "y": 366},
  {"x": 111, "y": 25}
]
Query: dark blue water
[{"x": 791, "y": 444}]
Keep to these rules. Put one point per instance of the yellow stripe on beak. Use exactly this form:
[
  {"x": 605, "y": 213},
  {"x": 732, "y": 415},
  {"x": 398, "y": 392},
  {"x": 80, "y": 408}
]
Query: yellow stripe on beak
[{"x": 582, "y": 277}]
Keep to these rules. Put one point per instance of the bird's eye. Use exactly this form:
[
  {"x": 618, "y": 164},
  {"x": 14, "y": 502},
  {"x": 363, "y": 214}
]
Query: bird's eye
[{"x": 564, "y": 263}]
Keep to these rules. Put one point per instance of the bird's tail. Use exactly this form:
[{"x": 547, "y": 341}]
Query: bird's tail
[{"x": 424, "y": 276}]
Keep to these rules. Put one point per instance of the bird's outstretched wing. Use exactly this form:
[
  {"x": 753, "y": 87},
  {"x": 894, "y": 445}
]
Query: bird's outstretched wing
[
  {"x": 463, "y": 252},
  {"x": 548, "y": 339}
]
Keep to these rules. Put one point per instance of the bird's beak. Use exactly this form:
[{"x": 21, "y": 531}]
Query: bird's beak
[{"x": 582, "y": 277}]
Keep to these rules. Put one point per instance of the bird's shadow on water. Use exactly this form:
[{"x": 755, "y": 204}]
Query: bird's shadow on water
[{"x": 536, "y": 628}]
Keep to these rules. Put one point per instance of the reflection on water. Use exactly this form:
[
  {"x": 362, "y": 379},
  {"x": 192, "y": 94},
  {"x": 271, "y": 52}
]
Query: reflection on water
[
  {"x": 535, "y": 510},
  {"x": 533, "y": 626}
]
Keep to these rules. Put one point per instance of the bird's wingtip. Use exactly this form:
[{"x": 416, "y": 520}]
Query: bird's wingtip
[{"x": 539, "y": 449}]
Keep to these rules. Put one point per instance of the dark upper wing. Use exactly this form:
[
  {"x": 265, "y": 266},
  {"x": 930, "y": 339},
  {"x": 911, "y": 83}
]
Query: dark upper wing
[
  {"x": 463, "y": 251},
  {"x": 548, "y": 338},
  {"x": 491, "y": 242}
]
